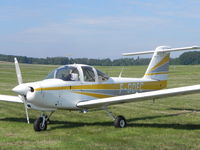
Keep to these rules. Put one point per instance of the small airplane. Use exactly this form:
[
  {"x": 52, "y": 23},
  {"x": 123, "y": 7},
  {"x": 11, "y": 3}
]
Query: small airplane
[{"x": 82, "y": 87}]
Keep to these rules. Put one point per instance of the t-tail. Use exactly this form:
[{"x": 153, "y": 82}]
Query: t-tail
[{"x": 158, "y": 68}]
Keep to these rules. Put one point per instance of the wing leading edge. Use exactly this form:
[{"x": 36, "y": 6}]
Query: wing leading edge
[
  {"x": 9, "y": 98},
  {"x": 140, "y": 96}
]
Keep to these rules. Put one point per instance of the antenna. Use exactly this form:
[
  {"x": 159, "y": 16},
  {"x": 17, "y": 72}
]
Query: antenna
[
  {"x": 69, "y": 56},
  {"x": 120, "y": 75}
]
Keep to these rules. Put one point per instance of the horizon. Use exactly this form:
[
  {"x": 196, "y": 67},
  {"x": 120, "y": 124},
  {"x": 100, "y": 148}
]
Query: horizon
[{"x": 148, "y": 56}]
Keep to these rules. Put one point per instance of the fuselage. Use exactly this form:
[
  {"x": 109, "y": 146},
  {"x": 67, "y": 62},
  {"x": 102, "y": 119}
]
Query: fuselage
[{"x": 57, "y": 93}]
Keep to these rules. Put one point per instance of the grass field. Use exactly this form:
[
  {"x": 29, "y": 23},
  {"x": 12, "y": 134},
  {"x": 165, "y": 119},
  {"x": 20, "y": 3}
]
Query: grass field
[{"x": 170, "y": 123}]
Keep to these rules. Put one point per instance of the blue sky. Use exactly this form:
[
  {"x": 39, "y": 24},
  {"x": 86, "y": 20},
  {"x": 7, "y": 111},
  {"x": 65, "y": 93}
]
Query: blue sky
[{"x": 96, "y": 28}]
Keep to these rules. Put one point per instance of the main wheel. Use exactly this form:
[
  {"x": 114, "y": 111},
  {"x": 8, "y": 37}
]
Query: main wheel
[
  {"x": 39, "y": 125},
  {"x": 120, "y": 122}
]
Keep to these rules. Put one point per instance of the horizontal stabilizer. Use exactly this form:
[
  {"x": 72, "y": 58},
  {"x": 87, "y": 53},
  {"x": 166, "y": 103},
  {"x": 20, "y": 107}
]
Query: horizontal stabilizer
[
  {"x": 140, "y": 96},
  {"x": 9, "y": 98},
  {"x": 162, "y": 50}
]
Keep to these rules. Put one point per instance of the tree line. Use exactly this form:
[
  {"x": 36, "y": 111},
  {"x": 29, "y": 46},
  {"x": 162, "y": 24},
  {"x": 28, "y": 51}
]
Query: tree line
[{"x": 187, "y": 58}]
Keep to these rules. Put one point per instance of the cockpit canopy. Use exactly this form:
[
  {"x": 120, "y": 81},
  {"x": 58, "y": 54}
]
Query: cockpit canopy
[{"x": 78, "y": 73}]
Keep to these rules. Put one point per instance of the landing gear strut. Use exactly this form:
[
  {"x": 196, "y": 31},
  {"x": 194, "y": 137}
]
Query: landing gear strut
[
  {"x": 41, "y": 122},
  {"x": 119, "y": 121}
]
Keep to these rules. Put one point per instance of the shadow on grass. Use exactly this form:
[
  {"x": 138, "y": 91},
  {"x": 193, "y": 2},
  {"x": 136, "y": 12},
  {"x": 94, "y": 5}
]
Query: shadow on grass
[
  {"x": 131, "y": 123},
  {"x": 185, "y": 109},
  {"x": 71, "y": 124},
  {"x": 164, "y": 125},
  {"x": 17, "y": 120},
  {"x": 157, "y": 116}
]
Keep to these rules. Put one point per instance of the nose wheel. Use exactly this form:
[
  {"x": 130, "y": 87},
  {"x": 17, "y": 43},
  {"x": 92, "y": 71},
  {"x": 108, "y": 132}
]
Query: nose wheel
[{"x": 40, "y": 124}]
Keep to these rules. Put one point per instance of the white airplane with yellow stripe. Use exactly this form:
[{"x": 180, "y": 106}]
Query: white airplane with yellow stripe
[{"x": 82, "y": 87}]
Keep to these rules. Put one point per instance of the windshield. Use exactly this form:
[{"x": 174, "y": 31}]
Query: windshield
[
  {"x": 51, "y": 75},
  {"x": 66, "y": 73}
]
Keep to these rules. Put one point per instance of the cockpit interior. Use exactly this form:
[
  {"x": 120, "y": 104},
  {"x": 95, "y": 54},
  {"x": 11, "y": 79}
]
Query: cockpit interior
[{"x": 77, "y": 72}]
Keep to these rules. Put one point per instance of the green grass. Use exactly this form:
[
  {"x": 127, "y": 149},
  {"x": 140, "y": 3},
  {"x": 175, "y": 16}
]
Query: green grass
[{"x": 170, "y": 123}]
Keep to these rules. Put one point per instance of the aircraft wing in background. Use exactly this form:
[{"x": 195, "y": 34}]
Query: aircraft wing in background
[{"x": 9, "y": 98}]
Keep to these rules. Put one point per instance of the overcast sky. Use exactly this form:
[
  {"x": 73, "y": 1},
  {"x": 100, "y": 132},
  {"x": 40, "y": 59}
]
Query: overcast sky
[{"x": 96, "y": 28}]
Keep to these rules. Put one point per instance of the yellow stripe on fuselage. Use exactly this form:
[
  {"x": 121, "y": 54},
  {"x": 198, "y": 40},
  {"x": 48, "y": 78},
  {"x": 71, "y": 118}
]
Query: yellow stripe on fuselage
[
  {"x": 157, "y": 85},
  {"x": 53, "y": 88},
  {"x": 149, "y": 74},
  {"x": 152, "y": 85}
]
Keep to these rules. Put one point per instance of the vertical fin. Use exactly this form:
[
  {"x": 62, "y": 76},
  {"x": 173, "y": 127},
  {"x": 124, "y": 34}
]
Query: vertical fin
[{"x": 159, "y": 65}]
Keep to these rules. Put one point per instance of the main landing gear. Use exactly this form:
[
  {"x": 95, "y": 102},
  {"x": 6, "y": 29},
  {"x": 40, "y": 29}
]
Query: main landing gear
[
  {"x": 41, "y": 122},
  {"x": 119, "y": 121}
]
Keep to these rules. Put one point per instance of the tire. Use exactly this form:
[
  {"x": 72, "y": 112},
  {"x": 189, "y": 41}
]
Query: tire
[
  {"x": 120, "y": 122},
  {"x": 38, "y": 124}
]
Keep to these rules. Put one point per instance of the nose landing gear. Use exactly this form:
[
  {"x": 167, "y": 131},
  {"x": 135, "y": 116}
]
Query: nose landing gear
[{"x": 41, "y": 122}]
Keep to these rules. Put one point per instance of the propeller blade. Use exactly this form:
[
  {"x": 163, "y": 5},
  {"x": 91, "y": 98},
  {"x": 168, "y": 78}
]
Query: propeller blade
[
  {"x": 18, "y": 71},
  {"x": 21, "y": 89},
  {"x": 25, "y": 106}
]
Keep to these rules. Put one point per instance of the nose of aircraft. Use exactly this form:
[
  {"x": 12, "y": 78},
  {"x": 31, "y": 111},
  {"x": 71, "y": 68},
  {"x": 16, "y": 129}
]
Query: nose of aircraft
[{"x": 21, "y": 89}]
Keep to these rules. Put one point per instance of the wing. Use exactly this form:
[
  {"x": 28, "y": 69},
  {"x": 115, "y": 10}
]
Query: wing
[
  {"x": 8, "y": 98},
  {"x": 139, "y": 96}
]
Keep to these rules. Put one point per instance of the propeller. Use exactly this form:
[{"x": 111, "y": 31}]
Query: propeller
[{"x": 21, "y": 89}]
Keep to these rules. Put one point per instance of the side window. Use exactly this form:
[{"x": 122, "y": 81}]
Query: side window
[
  {"x": 101, "y": 76},
  {"x": 68, "y": 74},
  {"x": 88, "y": 74}
]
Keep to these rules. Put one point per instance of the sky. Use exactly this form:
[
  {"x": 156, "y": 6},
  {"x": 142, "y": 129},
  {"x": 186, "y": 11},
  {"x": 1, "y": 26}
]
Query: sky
[{"x": 96, "y": 28}]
